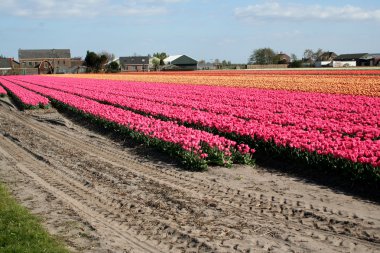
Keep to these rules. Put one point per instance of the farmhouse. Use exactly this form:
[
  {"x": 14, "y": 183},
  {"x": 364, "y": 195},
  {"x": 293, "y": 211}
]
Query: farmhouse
[
  {"x": 180, "y": 62},
  {"x": 134, "y": 63},
  {"x": 283, "y": 58},
  {"x": 325, "y": 60},
  {"x": 46, "y": 61},
  {"x": 8, "y": 66}
]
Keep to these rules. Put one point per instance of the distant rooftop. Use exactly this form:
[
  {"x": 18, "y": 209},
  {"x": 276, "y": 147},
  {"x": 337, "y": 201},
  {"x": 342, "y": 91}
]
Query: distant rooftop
[
  {"x": 350, "y": 56},
  {"x": 43, "y": 53},
  {"x": 5, "y": 63}
]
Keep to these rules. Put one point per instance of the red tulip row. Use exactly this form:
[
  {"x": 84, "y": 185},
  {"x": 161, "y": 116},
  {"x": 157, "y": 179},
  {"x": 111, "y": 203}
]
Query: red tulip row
[
  {"x": 25, "y": 98},
  {"x": 304, "y": 121},
  {"x": 196, "y": 147}
]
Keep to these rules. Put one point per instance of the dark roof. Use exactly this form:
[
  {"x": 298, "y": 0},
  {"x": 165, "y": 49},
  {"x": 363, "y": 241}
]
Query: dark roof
[
  {"x": 370, "y": 56},
  {"x": 180, "y": 60},
  {"x": 43, "y": 53},
  {"x": 5, "y": 63},
  {"x": 283, "y": 56},
  {"x": 327, "y": 56},
  {"x": 349, "y": 57},
  {"x": 134, "y": 60}
]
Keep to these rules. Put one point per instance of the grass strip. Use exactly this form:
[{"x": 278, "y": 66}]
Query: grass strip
[{"x": 20, "y": 231}]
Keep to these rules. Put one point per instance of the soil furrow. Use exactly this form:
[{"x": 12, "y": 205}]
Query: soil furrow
[{"x": 245, "y": 201}]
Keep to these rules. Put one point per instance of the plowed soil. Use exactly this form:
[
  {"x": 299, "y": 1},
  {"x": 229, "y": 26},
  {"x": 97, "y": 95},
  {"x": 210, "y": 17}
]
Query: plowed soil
[{"x": 99, "y": 194}]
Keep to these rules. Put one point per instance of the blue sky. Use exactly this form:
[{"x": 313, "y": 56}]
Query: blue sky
[{"x": 202, "y": 29}]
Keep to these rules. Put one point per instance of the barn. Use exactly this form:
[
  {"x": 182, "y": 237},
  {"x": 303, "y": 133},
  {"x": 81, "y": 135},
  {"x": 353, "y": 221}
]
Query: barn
[
  {"x": 180, "y": 62},
  {"x": 348, "y": 60}
]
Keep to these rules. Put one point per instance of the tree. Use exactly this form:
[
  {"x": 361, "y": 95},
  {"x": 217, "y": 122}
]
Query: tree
[
  {"x": 308, "y": 54},
  {"x": 156, "y": 62},
  {"x": 295, "y": 63},
  {"x": 293, "y": 57},
  {"x": 90, "y": 60},
  {"x": 312, "y": 56},
  {"x": 94, "y": 62},
  {"x": 113, "y": 67},
  {"x": 110, "y": 56},
  {"x": 161, "y": 56},
  {"x": 262, "y": 56}
]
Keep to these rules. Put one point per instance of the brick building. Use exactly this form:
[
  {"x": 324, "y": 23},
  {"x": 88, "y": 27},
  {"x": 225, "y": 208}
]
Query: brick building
[{"x": 45, "y": 61}]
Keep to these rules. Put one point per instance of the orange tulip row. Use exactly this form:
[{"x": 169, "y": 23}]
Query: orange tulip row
[{"x": 368, "y": 85}]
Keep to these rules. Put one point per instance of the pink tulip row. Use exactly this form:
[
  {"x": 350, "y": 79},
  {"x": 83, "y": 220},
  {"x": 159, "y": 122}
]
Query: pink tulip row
[
  {"x": 299, "y": 120},
  {"x": 2, "y": 91},
  {"x": 27, "y": 98},
  {"x": 188, "y": 139}
]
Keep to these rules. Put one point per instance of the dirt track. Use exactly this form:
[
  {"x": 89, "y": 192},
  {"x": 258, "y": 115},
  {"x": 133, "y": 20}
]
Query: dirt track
[{"x": 101, "y": 196}]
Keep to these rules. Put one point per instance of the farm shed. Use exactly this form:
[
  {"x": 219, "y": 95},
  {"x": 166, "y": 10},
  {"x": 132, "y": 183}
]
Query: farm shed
[
  {"x": 180, "y": 62},
  {"x": 370, "y": 60},
  {"x": 134, "y": 63},
  {"x": 348, "y": 60},
  {"x": 47, "y": 61}
]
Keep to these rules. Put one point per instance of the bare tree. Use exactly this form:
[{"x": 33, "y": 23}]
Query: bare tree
[
  {"x": 263, "y": 56},
  {"x": 311, "y": 55},
  {"x": 108, "y": 55}
]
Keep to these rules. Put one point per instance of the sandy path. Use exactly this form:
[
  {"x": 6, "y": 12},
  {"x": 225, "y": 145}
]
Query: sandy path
[{"x": 99, "y": 196}]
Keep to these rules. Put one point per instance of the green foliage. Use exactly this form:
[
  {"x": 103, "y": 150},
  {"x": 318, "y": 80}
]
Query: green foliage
[
  {"x": 161, "y": 56},
  {"x": 113, "y": 67},
  {"x": 20, "y": 231},
  {"x": 156, "y": 62},
  {"x": 296, "y": 64},
  {"x": 94, "y": 62},
  {"x": 263, "y": 56}
]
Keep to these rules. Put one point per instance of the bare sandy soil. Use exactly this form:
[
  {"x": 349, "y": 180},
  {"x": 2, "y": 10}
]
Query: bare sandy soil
[{"x": 102, "y": 195}]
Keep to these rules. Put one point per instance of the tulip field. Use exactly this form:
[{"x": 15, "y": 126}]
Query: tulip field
[
  {"x": 350, "y": 82},
  {"x": 326, "y": 119}
]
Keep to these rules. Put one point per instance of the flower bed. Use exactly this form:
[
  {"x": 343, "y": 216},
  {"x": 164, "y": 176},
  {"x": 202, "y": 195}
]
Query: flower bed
[
  {"x": 26, "y": 99},
  {"x": 273, "y": 72},
  {"x": 295, "y": 125},
  {"x": 330, "y": 131},
  {"x": 351, "y": 83},
  {"x": 340, "y": 132},
  {"x": 196, "y": 148}
]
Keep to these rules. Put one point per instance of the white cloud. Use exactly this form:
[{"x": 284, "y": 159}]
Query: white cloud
[
  {"x": 274, "y": 10},
  {"x": 84, "y": 8}
]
